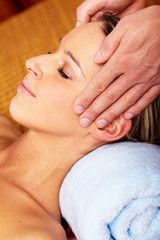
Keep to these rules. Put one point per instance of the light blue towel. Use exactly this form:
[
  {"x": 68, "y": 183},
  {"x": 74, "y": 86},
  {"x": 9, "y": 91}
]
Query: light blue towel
[{"x": 114, "y": 193}]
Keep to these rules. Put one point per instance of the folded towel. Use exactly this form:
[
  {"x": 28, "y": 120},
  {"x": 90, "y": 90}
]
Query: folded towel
[{"x": 114, "y": 193}]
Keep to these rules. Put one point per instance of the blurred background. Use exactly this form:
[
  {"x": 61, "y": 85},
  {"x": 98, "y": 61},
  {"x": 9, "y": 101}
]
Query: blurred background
[{"x": 11, "y": 7}]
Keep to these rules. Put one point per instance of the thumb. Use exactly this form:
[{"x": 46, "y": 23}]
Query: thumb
[{"x": 110, "y": 44}]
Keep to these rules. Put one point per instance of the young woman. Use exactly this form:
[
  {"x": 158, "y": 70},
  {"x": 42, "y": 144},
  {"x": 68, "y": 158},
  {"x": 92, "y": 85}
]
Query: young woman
[{"x": 33, "y": 165}]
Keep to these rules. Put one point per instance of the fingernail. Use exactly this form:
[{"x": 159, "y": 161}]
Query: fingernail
[
  {"x": 85, "y": 122},
  {"x": 78, "y": 24},
  {"x": 101, "y": 123},
  {"x": 78, "y": 109},
  {"x": 128, "y": 116},
  {"x": 97, "y": 56}
]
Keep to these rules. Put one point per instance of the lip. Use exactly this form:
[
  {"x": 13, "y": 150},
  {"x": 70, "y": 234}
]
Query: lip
[{"x": 25, "y": 89}]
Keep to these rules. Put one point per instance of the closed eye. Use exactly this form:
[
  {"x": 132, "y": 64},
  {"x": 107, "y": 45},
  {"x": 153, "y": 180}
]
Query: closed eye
[{"x": 61, "y": 72}]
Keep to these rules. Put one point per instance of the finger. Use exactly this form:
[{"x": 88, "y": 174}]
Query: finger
[
  {"x": 120, "y": 106},
  {"x": 143, "y": 102},
  {"x": 105, "y": 99},
  {"x": 111, "y": 42},
  {"x": 96, "y": 86},
  {"x": 88, "y": 9},
  {"x": 105, "y": 77},
  {"x": 96, "y": 16}
]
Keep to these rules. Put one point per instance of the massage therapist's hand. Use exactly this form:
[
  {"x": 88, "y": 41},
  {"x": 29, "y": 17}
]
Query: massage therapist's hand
[
  {"x": 91, "y": 10},
  {"x": 132, "y": 55}
]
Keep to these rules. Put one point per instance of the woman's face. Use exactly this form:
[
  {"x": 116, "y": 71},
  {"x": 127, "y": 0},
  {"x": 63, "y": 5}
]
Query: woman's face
[{"x": 55, "y": 81}]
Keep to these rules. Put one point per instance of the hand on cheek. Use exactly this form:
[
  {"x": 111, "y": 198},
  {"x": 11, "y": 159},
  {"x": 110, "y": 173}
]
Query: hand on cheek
[{"x": 129, "y": 80}]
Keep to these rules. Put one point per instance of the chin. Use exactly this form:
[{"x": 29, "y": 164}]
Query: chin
[
  {"x": 23, "y": 112},
  {"x": 18, "y": 111},
  {"x": 14, "y": 110}
]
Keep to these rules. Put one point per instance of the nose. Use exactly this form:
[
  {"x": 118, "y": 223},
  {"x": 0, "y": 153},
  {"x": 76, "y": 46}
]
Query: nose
[{"x": 33, "y": 67}]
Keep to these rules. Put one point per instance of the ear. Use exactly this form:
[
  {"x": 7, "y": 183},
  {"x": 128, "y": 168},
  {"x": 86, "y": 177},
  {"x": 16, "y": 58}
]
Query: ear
[{"x": 114, "y": 131}]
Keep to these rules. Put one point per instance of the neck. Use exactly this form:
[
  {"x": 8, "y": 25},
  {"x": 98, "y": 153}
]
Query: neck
[{"x": 39, "y": 162}]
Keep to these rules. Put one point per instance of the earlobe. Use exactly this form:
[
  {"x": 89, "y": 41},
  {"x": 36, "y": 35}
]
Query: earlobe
[{"x": 114, "y": 131}]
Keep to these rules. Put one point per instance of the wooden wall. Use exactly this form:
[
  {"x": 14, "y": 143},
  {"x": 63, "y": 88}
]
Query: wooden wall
[{"x": 11, "y": 7}]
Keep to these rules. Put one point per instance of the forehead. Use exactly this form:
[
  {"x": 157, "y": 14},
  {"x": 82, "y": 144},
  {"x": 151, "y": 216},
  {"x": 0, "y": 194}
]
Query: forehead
[
  {"x": 90, "y": 32},
  {"x": 84, "y": 42}
]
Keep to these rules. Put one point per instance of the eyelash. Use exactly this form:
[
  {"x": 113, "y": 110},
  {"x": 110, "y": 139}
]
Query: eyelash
[{"x": 61, "y": 72}]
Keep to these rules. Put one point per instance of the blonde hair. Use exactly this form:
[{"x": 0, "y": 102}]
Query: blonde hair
[{"x": 146, "y": 125}]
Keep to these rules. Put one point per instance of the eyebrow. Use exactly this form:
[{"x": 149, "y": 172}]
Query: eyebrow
[{"x": 68, "y": 53}]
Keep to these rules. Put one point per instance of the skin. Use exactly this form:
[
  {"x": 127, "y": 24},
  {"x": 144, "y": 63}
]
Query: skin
[
  {"x": 130, "y": 56},
  {"x": 34, "y": 164}
]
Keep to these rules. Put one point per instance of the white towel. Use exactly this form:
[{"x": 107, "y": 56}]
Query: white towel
[{"x": 114, "y": 193}]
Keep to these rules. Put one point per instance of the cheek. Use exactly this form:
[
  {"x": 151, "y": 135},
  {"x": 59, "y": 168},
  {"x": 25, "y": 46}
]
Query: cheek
[
  {"x": 57, "y": 106},
  {"x": 51, "y": 111}
]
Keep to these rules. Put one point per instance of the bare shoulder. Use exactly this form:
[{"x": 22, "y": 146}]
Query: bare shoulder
[
  {"x": 55, "y": 231},
  {"x": 45, "y": 236},
  {"x": 9, "y": 131}
]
